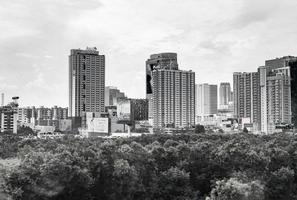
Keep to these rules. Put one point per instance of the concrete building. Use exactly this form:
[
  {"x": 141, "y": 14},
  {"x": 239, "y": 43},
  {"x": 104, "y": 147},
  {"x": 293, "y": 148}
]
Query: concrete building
[
  {"x": 225, "y": 94},
  {"x": 9, "y": 117},
  {"x": 293, "y": 73},
  {"x": 278, "y": 89},
  {"x": 206, "y": 101},
  {"x": 2, "y": 99},
  {"x": 86, "y": 82},
  {"x": 131, "y": 110},
  {"x": 111, "y": 95},
  {"x": 278, "y": 98},
  {"x": 157, "y": 62},
  {"x": 95, "y": 125},
  {"x": 41, "y": 116},
  {"x": 24, "y": 115},
  {"x": 247, "y": 97},
  {"x": 173, "y": 98}
]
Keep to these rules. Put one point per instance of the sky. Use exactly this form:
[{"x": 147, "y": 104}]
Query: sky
[{"x": 214, "y": 38}]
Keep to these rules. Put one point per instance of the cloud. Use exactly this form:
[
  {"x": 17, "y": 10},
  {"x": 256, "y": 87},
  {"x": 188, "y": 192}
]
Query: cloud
[{"x": 213, "y": 38}]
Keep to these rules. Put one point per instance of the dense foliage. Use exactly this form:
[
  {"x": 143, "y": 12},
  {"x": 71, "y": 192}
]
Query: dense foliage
[{"x": 185, "y": 166}]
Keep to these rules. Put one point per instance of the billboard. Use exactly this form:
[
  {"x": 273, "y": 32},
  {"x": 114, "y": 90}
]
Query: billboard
[
  {"x": 124, "y": 110},
  {"x": 98, "y": 125}
]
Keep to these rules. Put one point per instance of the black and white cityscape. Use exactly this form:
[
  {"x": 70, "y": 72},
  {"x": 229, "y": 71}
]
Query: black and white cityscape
[{"x": 165, "y": 100}]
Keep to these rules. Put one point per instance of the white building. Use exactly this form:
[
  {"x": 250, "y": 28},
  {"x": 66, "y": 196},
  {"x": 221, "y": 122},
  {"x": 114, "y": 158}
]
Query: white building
[
  {"x": 173, "y": 98},
  {"x": 206, "y": 101}
]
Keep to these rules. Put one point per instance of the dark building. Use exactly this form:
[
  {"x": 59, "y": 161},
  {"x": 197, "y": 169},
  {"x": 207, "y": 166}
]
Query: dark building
[
  {"x": 139, "y": 109},
  {"x": 131, "y": 110},
  {"x": 293, "y": 72}
]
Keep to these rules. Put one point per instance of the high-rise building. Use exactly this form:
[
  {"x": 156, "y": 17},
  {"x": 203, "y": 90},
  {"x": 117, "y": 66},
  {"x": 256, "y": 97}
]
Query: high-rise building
[
  {"x": 293, "y": 73},
  {"x": 206, "y": 100},
  {"x": 86, "y": 82},
  {"x": 278, "y": 98},
  {"x": 9, "y": 117},
  {"x": 2, "y": 99},
  {"x": 111, "y": 95},
  {"x": 278, "y": 83},
  {"x": 173, "y": 98},
  {"x": 225, "y": 94},
  {"x": 157, "y": 62},
  {"x": 246, "y": 92}
]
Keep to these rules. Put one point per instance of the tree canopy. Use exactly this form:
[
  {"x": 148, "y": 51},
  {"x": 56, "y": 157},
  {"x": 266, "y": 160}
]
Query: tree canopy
[{"x": 181, "y": 166}]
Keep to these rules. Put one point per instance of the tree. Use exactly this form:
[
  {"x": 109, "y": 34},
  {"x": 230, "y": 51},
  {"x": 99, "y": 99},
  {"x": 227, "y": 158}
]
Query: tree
[
  {"x": 235, "y": 189},
  {"x": 245, "y": 130},
  {"x": 199, "y": 129},
  {"x": 25, "y": 131},
  {"x": 174, "y": 184},
  {"x": 280, "y": 184}
]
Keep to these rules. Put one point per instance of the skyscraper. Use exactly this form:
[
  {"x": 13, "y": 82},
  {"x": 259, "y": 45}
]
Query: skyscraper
[
  {"x": 225, "y": 94},
  {"x": 157, "y": 62},
  {"x": 247, "y": 97},
  {"x": 278, "y": 83},
  {"x": 86, "y": 82},
  {"x": 173, "y": 98},
  {"x": 2, "y": 99},
  {"x": 206, "y": 100},
  {"x": 293, "y": 73}
]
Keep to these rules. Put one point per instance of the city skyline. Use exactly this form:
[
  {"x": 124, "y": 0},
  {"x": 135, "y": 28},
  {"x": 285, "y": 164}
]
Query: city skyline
[{"x": 35, "y": 47}]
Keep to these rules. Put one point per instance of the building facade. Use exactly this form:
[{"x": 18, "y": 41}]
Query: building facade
[
  {"x": 225, "y": 94},
  {"x": 206, "y": 101},
  {"x": 157, "y": 62},
  {"x": 278, "y": 98},
  {"x": 173, "y": 98},
  {"x": 293, "y": 73},
  {"x": 9, "y": 117},
  {"x": 278, "y": 83},
  {"x": 246, "y": 90},
  {"x": 111, "y": 95},
  {"x": 86, "y": 82}
]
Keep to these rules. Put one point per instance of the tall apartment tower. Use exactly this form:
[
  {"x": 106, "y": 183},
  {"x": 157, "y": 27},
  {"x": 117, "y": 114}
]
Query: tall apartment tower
[
  {"x": 86, "y": 81},
  {"x": 225, "y": 94},
  {"x": 293, "y": 73},
  {"x": 206, "y": 100},
  {"x": 246, "y": 93},
  {"x": 160, "y": 61},
  {"x": 2, "y": 99},
  {"x": 173, "y": 98},
  {"x": 278, "y": 88}
]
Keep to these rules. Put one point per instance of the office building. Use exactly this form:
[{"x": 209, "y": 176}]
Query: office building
[
  {"x": 86, "y": 82},
  {"x": 157, "y": 62},
  {"x": 206, "y": 101},
  {"x": 225, "y": 94},
  {"x": 111, "y": 95},
  {"x": 173, "y": 98},
  {"x": 246, "y": 91}
]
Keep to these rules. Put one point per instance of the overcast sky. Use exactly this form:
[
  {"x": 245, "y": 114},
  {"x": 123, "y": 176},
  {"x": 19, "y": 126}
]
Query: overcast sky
[{"x": 214, "y": 38}]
